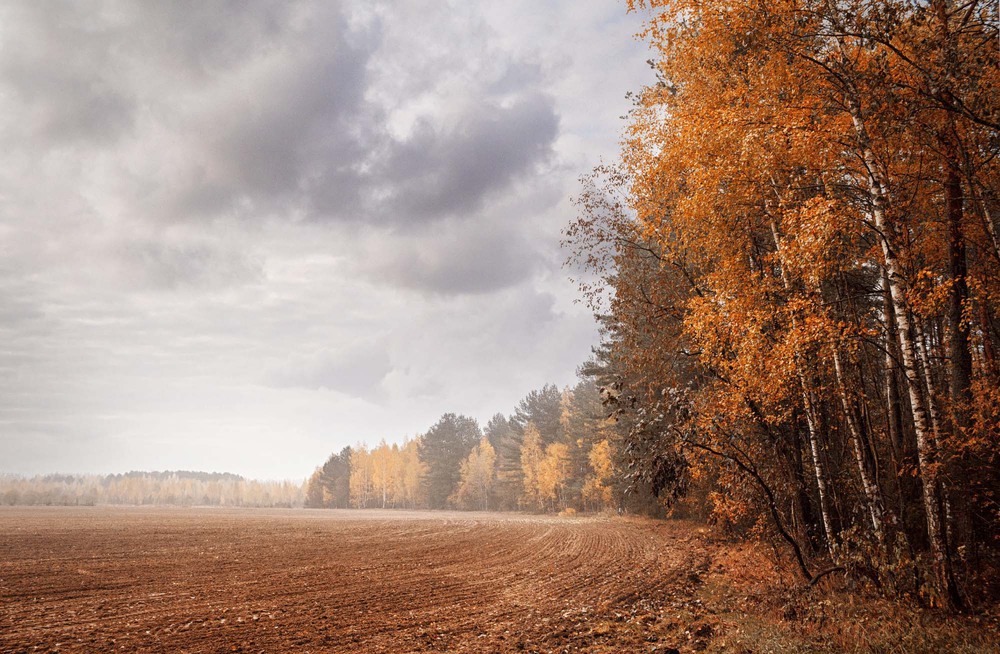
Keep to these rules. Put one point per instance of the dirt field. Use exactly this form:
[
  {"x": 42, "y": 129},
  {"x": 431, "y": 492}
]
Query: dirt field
[{"x": 189, "y": 580}]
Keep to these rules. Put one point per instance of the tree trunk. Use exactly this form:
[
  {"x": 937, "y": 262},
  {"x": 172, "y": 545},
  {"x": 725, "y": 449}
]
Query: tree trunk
[
  {"x": 989, "y": 221},
  {"x": 860, "y": 444},
  {"x": 818, "y": 468},
  {"x": 922, "y": 348},
  {"x": 812, "y": 423},
  {"x": 894, "y": 418},
  {"x": 894, "y": 403},
  {"x": 959, "y": 352},
  {"x": 803, "y": 500},
  {"x": 926, "y": 444}
]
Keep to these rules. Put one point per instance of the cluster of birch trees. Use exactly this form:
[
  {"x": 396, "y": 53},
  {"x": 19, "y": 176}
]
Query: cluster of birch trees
[{"x": 797, "y": 263}]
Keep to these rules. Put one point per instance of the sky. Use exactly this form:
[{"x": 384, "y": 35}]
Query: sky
[{"x": 238, "y": 235}]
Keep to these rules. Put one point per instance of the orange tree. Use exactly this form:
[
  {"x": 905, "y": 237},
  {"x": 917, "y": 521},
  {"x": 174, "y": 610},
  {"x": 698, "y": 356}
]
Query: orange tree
[{"x": 801, "y": 253}]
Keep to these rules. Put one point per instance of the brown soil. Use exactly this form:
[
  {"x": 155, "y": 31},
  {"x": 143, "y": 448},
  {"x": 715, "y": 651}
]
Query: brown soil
[{"x": 209, "y": 580}]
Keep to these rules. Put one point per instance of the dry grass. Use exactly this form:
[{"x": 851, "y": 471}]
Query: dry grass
[{"x": 753, "y": 606}]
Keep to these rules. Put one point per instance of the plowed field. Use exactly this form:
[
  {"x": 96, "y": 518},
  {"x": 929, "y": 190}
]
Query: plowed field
[{"x": 205, "y": 580}]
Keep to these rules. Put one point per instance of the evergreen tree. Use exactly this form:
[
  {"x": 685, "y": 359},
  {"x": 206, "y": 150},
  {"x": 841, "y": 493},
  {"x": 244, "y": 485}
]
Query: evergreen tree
[
  {"x": 506, "y": 440},
  {"x": 543, "y": 407},
  {"x": 330, "y": 486},
  {"x": 442, "y": 450}
]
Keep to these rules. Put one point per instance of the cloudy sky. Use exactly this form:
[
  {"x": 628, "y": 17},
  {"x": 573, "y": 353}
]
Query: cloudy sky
[{"x": 241, "y": 235}]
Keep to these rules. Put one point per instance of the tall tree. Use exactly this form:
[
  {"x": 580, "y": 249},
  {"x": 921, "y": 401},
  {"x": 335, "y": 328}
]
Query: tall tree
[
  {"x": 543, "y": 407},
  {"x": 554, "y": 474},
  {"x": 478, "y": 473},
  {"x": 506, "y": 440},
  {"x": 330, "y": 486},
  {"x": 532, "y": 457},
  {"x": 442, "y": 450},
  {"x": 800, "y": 273}
]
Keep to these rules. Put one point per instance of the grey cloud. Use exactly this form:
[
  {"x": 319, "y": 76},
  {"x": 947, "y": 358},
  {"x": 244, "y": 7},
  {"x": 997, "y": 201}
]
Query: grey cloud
[
  {"x": 284, "y": 128},
  {"x": 172, "y": 265},
  {"x": 79, "y": 109},
  {"x": 455, "y": 259},
  {"x": 276, "y": 139},
  {"x": 496, "y": 334},
  {"x": 516, "y": 76},
  {"x": 269, "y": 109},
  {"x": 357, "y": 371},
  {"x": 19, "y": 308},
  {"x": 68, "y": 91},
  {"x": 203, "y": 39},
  {"x": 530, "y": 314},
  {"x": 450, "y": 170}
]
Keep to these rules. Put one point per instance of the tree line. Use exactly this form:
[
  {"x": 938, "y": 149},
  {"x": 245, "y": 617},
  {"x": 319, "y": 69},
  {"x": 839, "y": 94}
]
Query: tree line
[
  {"x": 556, "y": 451},
  {"x": 797, "y": 266},
  {"x": 180, "y": 487}
]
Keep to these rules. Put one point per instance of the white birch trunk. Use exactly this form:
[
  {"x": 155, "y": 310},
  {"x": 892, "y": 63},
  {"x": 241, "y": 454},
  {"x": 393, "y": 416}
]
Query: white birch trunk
[
  {"x": 872, "y": 495},
  {"x": 811, "y": 418},
  {"x": 925, "y": 439},
  {"x": 924, "y": 359},
  {"x": 990, "y": 224}
]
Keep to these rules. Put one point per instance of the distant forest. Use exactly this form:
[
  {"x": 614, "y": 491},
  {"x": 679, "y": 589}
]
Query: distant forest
[
  {"x": 557, "y": 451},
  {"x": 180, "y": 487}
]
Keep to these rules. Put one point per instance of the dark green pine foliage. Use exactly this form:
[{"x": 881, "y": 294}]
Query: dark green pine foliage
[
  {"x": 506, "y": 439},
  {"x": 442, "y": 450},
  {"x": 336, "y": 479},
  {"x": 544, "y": 408}
]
